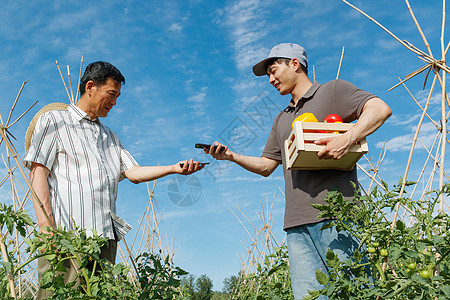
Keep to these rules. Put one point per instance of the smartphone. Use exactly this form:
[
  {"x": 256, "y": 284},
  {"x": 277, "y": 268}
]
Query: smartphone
[
  {"x": 207, "y": 146},
  {"x": 202, "y": 163}
]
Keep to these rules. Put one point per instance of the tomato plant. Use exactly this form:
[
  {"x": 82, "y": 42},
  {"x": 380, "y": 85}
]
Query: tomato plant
[
  {"x": 394, "y": 273},
  {"x": 160, "y": 280}
]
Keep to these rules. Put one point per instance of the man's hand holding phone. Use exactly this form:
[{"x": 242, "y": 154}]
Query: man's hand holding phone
[
  {"x": 218, "y": 151},
  {"x": 187, "y": 167}
]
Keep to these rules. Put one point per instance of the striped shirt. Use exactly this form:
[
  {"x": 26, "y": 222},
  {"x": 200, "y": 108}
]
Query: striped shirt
[{"x": 86, "y": 161}]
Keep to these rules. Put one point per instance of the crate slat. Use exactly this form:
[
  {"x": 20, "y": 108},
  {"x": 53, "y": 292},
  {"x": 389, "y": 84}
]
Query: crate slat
[{"x": 301, "y": 152}]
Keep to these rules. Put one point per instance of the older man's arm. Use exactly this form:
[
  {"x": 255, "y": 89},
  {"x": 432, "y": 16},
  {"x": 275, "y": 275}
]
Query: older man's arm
[
  {"x": 38, "y": 177},
  {"x": 138, "y": 174}
]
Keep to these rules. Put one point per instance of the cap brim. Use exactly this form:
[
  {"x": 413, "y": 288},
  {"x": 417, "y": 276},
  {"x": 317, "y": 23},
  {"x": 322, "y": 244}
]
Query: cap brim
[
  {"x": 47, "y": 108},
  {"x": 260, "y": 68}
]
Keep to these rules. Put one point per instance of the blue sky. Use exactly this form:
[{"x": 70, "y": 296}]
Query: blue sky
[{"x": 188, "y": 75}]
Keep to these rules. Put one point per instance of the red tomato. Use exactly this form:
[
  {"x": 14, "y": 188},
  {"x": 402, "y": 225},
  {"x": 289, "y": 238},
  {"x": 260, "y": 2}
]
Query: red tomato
[{"x": 333, "y": 118}]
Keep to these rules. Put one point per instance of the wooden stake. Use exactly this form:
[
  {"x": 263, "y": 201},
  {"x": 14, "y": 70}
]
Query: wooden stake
[
  {"x": 340, "y": 63},
  {"x": 79, "y": 80},
  {"x": 444, "y": 123},
  {"x": 6, "y": 260},
  {"x": 405, "y": 176},
  {"x": 21, "y": 115},
  {"x": 418, "y": 28},
  {"x": 14, "y": 105},
  {"x": 70, "y": 84},
  {"x": 65, "y": 86},
  {"x": 131, "y": 256}
]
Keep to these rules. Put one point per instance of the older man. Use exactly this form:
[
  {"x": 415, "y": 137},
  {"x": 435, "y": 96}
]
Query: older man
[{"x": 76, "y": 163}]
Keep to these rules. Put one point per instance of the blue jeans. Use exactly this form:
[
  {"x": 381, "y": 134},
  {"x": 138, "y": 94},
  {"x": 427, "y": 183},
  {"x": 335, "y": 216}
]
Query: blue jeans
[{"x": 307, "y": 248}]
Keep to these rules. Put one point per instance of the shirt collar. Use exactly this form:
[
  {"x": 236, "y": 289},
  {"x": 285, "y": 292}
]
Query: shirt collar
[
  {"x": 307, "y": 96},
  {"x": 79, "y": 114}
]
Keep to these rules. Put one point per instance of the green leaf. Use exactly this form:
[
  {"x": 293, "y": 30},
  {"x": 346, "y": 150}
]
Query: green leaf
[
  {"x": 321, "y": 277},
  {"x": 332, "y": 259},
  {"x": 68, "y": 245},
  {"x": 446, "y": 290},
  {"x": 117, "y": 269},
  {"x": 400, "y": 226},
  {"x": 327, "y": 225},
  {"x": 6, "y": 265},
  {"x": 313, "y": 295}
]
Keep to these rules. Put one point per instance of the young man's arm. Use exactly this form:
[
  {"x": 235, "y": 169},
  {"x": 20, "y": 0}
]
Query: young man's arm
[
  {"x": 260, "y": 165},
  {"x": 373, "y": 115},
  {"x": 38, "y": 176},
  {"x": 138, "y": 174}
]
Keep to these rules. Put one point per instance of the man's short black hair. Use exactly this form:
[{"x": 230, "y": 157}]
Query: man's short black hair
[
  {"x": 286, "y": 62},
  {"x": 99, "y": 72}
]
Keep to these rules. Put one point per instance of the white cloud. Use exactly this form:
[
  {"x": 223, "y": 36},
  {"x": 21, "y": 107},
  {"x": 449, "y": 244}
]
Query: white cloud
[
  {"x": 427, "y": 136},
  {"x": 247, "y": 25},
  {"x": 402, "y": 120},
  {"x": 176, "y": 27},
  {"x": 198, "y": 102}
]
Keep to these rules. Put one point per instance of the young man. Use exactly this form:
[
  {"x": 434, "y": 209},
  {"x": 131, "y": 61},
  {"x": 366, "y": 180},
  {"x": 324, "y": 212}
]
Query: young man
[
  {"x": 76, "y": 164},
  {"x": 286, "y": 66}
]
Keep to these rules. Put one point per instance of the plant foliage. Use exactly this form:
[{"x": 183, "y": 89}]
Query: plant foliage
[
  {"x": 401, "y": 260},
  {"x": 96, "y": 278}
]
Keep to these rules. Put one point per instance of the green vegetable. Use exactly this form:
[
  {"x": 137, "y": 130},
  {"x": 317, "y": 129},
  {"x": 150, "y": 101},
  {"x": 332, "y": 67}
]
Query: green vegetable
[
  {"x": 412, "y": 266},
  {"x": 425, "y": 274}
]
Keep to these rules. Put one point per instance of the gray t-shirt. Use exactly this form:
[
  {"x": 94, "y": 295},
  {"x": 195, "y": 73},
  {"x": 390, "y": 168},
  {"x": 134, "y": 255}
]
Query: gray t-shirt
[{"x": 305, "y": 187}]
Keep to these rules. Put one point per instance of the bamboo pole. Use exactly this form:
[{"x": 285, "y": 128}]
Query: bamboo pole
[
  {"x": 413, "y": 74},
  {"x": 371, "y": 177},
  {"x": 19, "y": 165},
  {"x": 444, "y": 121},
  {"x": 20, "y": 117},
  {"x": 435, "y": 159},
  {"x": 14, "y": 105},
  {"x": 131, "y": 256},
  {"x": 412, "y": 150},
  {"x": 340, "y": 63},
  {"x": 314, "y": 74},
  {"x": 70, "y": 84},
  {"x": 406, "y": 44},
  {"x": 421, "y": 108},
  {"x": 6, "y": 260},
  {"x": 425, "y": 164},
  {"x": 419, "y": 28},
  {"x": 79, "y": 80},
  {"x": 64, "y": 82},
  {"x": 155, "y": 222},
  {"x": 15, "y": 199}
]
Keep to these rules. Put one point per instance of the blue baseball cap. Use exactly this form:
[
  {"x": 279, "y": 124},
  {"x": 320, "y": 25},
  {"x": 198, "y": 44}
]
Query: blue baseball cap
[{"x": 284, "y": 50}]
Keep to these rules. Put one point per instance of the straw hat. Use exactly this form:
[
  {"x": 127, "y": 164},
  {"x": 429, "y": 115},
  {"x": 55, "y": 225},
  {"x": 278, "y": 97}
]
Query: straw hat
[{"x": 47, "y": 108}]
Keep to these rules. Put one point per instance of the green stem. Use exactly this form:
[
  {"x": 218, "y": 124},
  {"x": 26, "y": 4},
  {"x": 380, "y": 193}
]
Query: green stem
[
  {"x": 363, "y": 265},
  {"x": 86, "y": 277},
  {"x": 30, "y": 260},
  {"x": 442, "y": 258},
  {"x": 380, "y": 270},
  {"x": 93, "y": 269}
]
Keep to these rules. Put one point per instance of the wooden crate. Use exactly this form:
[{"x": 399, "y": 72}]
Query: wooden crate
[{"x": 301, "y": 152}]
